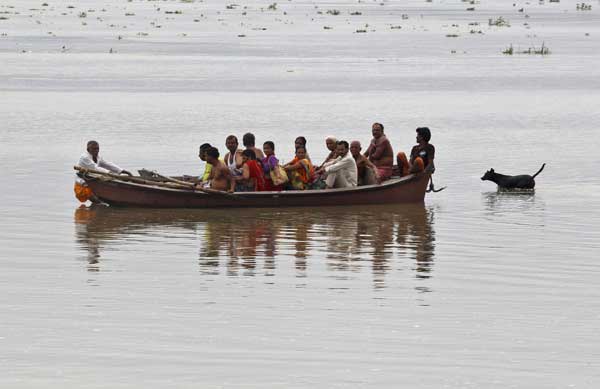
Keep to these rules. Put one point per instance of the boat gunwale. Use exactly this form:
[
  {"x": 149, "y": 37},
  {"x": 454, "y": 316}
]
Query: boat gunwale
[{"x": 286, "y": 193}]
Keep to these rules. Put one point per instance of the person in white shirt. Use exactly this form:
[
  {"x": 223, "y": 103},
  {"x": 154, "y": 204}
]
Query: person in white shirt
[
  {"x": 92, "y": 160},
  {"x": 340, "y": 172}
]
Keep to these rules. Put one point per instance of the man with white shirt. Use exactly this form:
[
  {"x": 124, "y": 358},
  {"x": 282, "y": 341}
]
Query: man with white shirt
[
  {"x": 340, "y": 172},
  {"x": 92, "y": 160}
]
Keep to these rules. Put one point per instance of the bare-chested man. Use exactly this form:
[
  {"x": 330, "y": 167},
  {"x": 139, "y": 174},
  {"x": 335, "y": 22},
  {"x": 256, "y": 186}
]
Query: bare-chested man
[
  {"x": 220, "y": 176},
  {"x": 380, "y": 152},
  {"x": 249, "y": 143},
  {"x": 367, "y": 172}
]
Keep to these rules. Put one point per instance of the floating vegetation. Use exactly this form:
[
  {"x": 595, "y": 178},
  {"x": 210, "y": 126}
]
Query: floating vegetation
[
  {"x": 187, "y": 1},
  {"x": 241, "y": 36},
  {"x": 404, "y": 16},
  {"x": 475, "y": 32},
  {"x": 474, "y": 24},
  {"x": 129, "y": 14},
  {"x": 471, "y": 9},
  {"x": 451, "y": 35},
  {"x": 361, "y": 31},
  {"x": 396, "y": 27},
  {"x": 356, "y": 13},
  {"x": 500, "y": 22},
  {"x": 584, "y": 7},
  {"x": 3, "y": 18},
  {"x": 82, "y": 15},
  {"x": 272, "y": 7},
  {"x": 333, "y": 11},
  {"x": 543, "y": 50},
  {"x": 327, "y": 28},
  {"x": 177, "y": 12}
]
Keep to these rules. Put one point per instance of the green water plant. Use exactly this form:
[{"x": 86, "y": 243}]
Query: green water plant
[
  {"x": 583, "y": 7},
  {"x": 543, "y": 50}
]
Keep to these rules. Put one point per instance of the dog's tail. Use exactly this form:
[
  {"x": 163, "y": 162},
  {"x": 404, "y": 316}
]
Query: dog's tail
[{"x": 539, "y": 171}]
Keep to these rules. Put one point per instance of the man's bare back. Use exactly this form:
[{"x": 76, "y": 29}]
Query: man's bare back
[{"x": 220, "y": 177}]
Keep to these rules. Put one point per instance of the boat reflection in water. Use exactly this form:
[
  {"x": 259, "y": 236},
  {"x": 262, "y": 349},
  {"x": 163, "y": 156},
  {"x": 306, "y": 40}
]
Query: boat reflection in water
[{"x": 254, "y": 241}]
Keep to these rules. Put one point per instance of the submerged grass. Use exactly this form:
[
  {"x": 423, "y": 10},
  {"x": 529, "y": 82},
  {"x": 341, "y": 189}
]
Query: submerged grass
[{"x": 543, "y": 50}]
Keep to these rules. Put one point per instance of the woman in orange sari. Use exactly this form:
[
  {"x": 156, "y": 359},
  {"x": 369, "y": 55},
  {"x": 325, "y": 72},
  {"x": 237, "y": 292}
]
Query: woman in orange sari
[{"x": 300, "y": 170}]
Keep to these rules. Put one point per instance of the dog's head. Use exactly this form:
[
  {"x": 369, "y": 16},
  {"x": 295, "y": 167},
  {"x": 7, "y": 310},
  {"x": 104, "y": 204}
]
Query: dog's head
[{"x": 488, "y": 175}]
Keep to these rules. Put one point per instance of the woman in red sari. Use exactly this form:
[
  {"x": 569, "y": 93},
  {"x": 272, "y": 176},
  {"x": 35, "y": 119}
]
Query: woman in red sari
[{"x": 252, "y": 178}]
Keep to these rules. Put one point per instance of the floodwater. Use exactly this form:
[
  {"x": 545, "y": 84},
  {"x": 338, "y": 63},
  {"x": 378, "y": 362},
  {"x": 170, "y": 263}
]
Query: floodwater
[{"x": 474, "y": 288}]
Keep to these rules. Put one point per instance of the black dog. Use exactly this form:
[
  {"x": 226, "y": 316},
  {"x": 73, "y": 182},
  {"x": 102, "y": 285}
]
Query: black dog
[{"x": 524, "y": 181}]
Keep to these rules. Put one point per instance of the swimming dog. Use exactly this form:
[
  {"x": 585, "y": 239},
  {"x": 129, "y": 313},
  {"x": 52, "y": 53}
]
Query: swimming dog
[{"x": 523, "y": 181}]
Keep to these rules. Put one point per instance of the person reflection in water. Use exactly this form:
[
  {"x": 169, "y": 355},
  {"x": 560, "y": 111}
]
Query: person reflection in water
[{"x": 382, "y": 240}]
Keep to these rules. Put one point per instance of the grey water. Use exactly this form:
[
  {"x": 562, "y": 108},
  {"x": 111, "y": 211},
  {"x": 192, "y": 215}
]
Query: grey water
[{"x": 474, "y": 288}]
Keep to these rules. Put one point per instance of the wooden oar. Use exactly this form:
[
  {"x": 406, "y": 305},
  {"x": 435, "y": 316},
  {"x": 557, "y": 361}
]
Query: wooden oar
[
  {"x": 194, "y": 186},
  {"x": 131, "y": 179}
]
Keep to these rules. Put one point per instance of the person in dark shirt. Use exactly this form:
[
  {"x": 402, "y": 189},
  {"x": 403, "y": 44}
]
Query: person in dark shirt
[
  {"x": 423, "y": 150},
  {"x": 421, "y": 155}
]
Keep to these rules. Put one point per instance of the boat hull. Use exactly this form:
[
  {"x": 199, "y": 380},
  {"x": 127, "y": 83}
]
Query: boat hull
[{"x": 410, "y": 189}]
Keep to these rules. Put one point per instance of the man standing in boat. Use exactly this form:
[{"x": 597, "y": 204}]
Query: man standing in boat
[
  {"x": 342, "y": 172},
  {"x": 91, "y": 159}
]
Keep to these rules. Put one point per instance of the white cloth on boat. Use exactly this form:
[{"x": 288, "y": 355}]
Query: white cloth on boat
[
  {"x": 342, "y": 173},
  {"x": 87, "y": 161},
  {"x": 232, "y": 164}
]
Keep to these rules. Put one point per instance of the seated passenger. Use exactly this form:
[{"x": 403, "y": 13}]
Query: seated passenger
[
  {"x": 366, "y": 171},
  {"x": 91, "y": 159},
  {"x": 331, "y": 143},
  {"x": 270, "y": 162},
  {"x": 220, "y": 176},
  {"x": 252, "y": 178},
  {"x": 341, "y": 173},
  {"x": 421, "y": 155},
  {"x": 300, "y": 171},
  {"x": 301, "y": 142},
  {"x": 248, "y": 140},
  {"x": 380, "y": 152},
  {"x": 202, "y": 155},
  {"x": 233, "y": 158}
]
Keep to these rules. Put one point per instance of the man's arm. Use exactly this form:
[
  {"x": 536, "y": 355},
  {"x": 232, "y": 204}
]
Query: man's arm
[
  {"x": 381, "y": 149},
  {"x": 238, "y": 159},
  {"x": 339, "y": 165},
  {"x": 369, "y": 150},
  {"x": 112, "y": 167},
  {"x": 88, "y": 163}
]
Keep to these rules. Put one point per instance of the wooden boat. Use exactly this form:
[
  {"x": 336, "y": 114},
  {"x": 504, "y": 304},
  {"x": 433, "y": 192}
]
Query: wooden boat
[{"x": 141, "y": 193}]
